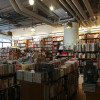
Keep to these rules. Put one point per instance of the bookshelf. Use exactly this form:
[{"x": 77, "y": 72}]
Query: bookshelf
[
  {"x": 87, "y": 48},
  {"x": 65, "y": 53},
  {"x": 57, "y": 41},
  {"x": 35, "y": 44},
  {"x": 48, "y": 47},
  {"x": 20, "y": 43}
]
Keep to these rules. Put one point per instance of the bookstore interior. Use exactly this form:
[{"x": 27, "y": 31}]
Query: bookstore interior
[{"x": 49, "y": 49}]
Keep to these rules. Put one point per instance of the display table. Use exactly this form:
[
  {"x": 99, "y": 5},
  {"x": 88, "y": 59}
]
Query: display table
[{"x": 93, "y": 96}]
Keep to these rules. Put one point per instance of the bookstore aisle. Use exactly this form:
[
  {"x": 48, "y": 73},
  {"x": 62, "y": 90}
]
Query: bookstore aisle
[{"x": 49, "y": 49}]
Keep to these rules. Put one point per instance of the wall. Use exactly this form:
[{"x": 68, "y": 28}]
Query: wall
[{"x": 43, "y": 29}]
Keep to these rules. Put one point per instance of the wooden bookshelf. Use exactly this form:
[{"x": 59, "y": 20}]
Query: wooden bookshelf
[{"x": 88, "y": 38}]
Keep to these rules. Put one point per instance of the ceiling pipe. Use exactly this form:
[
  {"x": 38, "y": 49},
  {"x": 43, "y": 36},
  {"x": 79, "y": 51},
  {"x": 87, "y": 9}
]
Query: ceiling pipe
[
  {"x": 89, "y": 8},
  {"x": 74, "y": 8},
  {"x": 70, "y": 10},
  {"x": 80, "y": 9},
  {"x": 24, "y": 11},
  {"x": 16, "y": 8},
  {"x": 45, "y": 10},
  {"x": 76, "y": 11},
  {"x": 31, "y": 13}
]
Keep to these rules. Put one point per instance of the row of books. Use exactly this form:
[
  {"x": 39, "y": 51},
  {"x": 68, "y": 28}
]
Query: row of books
[
  {"x": 7, "y": 69},
  {"x": 5, "y": 83},
  {"x": 13, "y": 93},
  {"x": 48, "y": 39},
  {"x": 98, "y": 60},
  {"x": 48, "y": 43},
  {"x": 56, "y": 88},
  {"x": 85, "y": 55},
  {"x": 58, "y": 39},
  {"x": 85, "y": 47},
  {"x": 48, "y": 71},
  {"x": 86, "y": 36},
  {"x": 49, "y": 46}
]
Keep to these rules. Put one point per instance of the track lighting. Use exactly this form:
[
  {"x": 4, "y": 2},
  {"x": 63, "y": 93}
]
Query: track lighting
[{"x": 31, "y": 2}]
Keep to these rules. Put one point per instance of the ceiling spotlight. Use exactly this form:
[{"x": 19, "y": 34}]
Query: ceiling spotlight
[
  {"x": 69, "y": 25},
  {"x": 31, "y": 2},
  {"x": 51, "y": 8}
]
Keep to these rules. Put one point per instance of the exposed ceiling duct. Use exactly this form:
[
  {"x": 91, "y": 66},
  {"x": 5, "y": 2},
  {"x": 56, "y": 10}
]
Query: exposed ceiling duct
[
  {"x": 88, "y": 6},
  {"x": 74, "y": 8},
  {"x": 80, "y": 9},
  {"x": 22, "y": 10},
  {"x": 16, "y": 8},
  {"x": 71, "y": 11}
]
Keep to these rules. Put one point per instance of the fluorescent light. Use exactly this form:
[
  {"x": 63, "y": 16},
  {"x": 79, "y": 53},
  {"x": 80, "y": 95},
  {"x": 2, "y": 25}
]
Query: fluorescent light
[
  {"x": 51, "y": 8},
  {"x": 31, "y": 2}
]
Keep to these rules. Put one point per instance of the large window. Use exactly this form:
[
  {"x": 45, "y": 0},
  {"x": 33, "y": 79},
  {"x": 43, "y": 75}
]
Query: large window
[
  {"x": 5, "y": 41},
  {"x": 6, "y": 45}
]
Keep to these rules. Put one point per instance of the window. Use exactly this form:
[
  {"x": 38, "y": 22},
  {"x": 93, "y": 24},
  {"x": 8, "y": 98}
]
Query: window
[
  {"x": 0, "y": 45},
  {"x": 6, "y": 45}
]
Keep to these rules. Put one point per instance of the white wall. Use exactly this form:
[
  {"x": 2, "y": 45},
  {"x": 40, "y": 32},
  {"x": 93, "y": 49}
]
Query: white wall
[{"x": 43, "y": 29}]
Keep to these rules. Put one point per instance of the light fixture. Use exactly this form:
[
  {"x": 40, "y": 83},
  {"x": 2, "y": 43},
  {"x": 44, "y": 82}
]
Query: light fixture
[
  {"x": 69, "y": 25},
  {"x": 32, "y": 29},
  {"x": 31, "y": 2},
  {"x": 51, "y": 8}
]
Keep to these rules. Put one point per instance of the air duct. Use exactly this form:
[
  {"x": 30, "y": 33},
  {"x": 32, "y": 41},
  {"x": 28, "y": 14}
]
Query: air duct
[
  {"x": 88, "y": 7},
  {"x": 34, "y": 15},
  {"x": 18, "y": 6},
  {"x": 74, "y": 8},
  {"x": 78, "y": 6},
  {"x": 70, "y": 10}
]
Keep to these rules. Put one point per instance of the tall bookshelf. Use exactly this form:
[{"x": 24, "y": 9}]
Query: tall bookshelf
[
  {"x": 87, "y": 49},
  {"x": 48, "y": 47},
  {"x": 57, "y": 41},
  {"x": 21, "y": 43},
  {"x": 35, "y": 44}
]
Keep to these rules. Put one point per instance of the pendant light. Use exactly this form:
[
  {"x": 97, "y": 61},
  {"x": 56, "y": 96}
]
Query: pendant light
[
  {"x": 31, "y": 2},
  {"x": 32, "y": 29},
  {"x": 69, "y": 25},
  {"x": 9, "y": 32}
]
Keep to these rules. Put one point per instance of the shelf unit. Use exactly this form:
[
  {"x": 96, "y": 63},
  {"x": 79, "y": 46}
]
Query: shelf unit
[
  {"x": 53, "y": 90},
  {"x": 57, "y": 41},
  {"x": 21, "y": 43},
  {"x": 65, "y": 53},
  {"x": 9, "y": 87},
  {"x": 88, "y": 48},
  {"x": 90, "y": 37},
  {"x": 48, "y": 47},
  {"x": 35, "y": 44}
]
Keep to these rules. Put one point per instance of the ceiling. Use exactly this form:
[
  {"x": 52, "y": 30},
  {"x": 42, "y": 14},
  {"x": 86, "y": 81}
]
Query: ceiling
[{"x": 63, "y": 12}]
